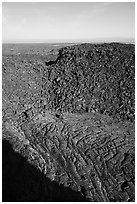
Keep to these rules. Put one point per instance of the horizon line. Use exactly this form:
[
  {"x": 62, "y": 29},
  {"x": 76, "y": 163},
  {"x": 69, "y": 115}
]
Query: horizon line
[
  {"x": 94, "y": 40},
  {"x": 65, "y": 42}
]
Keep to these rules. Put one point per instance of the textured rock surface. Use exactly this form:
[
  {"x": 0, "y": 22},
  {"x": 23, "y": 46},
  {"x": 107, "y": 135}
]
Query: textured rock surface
[
  {"x": 97, "y": 78},
  {"x": 84, "y": 152},
  {"x": 73, "y": 117}
]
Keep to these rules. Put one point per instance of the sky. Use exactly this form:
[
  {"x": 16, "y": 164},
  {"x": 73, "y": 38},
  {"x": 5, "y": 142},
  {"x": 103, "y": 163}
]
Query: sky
[{"x": 32, "y": 22}]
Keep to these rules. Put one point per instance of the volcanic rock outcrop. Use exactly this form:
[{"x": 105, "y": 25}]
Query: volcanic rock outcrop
[{"x": 73, "y": 117}]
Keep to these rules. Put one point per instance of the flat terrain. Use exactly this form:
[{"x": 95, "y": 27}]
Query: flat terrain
[
  {"x": 32, "y": 48},
  {"x": 69, "y": 110}
]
